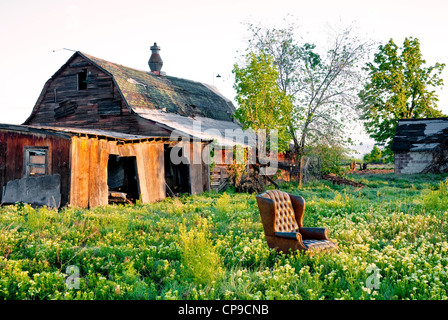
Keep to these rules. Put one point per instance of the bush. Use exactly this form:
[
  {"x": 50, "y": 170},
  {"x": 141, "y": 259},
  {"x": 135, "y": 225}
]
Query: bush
[
  {"x": 200, "y": 260},
  {"x": 437, "y": 199},
  {"x": 331, "y": 157}
]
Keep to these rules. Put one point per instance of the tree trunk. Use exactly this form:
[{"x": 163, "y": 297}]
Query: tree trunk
[
  {"x": 300, "y": 178},
  {"x": 300, "y": 154}
]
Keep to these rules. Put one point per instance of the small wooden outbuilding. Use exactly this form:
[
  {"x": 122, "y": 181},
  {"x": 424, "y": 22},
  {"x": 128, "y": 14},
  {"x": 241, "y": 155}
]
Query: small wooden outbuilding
[
  {"x": 85, "y": 167},
  {"x": 421, "y": 146}
]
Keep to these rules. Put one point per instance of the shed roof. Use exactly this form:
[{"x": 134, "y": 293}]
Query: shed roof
[
  {"x": 64, "y": 132},
  {"x": 420, "y": 134},
  {"x": 224, "y": 133}
]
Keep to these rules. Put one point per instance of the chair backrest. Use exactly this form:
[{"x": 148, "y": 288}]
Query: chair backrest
[{"x": 285, "y": 218}]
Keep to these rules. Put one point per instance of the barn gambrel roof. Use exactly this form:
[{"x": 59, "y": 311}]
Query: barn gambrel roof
[
  {"x": 173, "y": 103},
  {"x": 144, "y": 90}
]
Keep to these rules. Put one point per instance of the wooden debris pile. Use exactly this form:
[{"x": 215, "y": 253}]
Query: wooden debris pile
[
  {"x": 251, "y": 183},
  {"x": 439, "y": 162}
]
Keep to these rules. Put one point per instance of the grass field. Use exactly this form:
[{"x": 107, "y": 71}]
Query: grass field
[{"x": 392, "y": 238}]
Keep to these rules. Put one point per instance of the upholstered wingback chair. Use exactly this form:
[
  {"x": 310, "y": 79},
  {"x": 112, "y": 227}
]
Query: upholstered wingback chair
[{"x": 282, "y": 216}]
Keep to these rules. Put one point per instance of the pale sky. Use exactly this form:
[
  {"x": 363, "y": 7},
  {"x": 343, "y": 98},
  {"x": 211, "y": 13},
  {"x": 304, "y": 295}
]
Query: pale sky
[{"x": 198, "y": 38}]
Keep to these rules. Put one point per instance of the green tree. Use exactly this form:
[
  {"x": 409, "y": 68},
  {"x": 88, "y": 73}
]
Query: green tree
[
  {"x": 324, "y": 87},
  {"x": 399, "y": 87},
  {"x": 374, "y": 156},
  {"x": 332, "y": 158},
  {"x": 261, "y": 104}
]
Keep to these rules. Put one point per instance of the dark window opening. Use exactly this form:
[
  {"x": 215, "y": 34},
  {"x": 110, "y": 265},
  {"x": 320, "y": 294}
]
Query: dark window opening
[
  {"x": 122, "y": 179},
  {"x": 177, "y": 176},
  {"x": 35, "y": 162},
  {"x": 82, "y": 80}
]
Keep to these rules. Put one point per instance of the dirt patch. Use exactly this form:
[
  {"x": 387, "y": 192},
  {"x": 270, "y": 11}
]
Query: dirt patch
[
  {"x": 373, "y": 171},
  {"x": 339, "y": 180}
]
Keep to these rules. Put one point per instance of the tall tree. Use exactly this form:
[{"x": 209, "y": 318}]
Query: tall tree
[
  {"x": 324, "y": 86},
  {"x": 262, "y": 105},
  {"x": 399, "y": 86}
]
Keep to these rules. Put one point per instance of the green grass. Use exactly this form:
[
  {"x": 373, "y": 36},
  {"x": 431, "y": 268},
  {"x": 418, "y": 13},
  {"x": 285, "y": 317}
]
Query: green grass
[{"x": 212, "y": 246}]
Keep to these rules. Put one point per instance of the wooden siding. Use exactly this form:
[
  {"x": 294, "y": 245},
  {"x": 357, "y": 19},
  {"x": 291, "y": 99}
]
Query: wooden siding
[
  {"x": 206, "y": 169},
  {"x": 12, "y": 145},
  {"x": 89, "y": 159},
  {"x": 199, "y": 171},
  {"x": 100, "y": 106}
]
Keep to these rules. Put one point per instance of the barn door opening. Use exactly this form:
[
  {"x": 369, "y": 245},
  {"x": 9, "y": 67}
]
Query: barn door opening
[
  {"x": 177, "y": 176},
  {"x": 122, "y": 179}
]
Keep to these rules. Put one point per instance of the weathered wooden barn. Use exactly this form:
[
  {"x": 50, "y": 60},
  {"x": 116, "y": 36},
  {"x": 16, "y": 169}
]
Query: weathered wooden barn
[
  {"x": 91, "y": 93},
  {"x": 421, "y": 146},
  {"x": 81, "y": 167}
]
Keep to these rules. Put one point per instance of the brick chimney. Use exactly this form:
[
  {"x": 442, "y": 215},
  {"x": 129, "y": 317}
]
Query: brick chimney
[{"x": 155, "y": 61}]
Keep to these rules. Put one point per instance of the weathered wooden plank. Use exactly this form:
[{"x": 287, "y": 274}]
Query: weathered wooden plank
[
  {"x": 94, "y": 179},
  {"x": 65, "y": 108},
  {"x": 217, "y": 176},
  {"x": 103, "y": 190},
  {"x": 205, "y": 149},
  {"x": 127, "y": 150},
  {"x": 58, "y": 162},
  {"x": 196, "y": 180},
  {"x": 142, "y": 174},
  {"x": 80, "y": 169},
  {"x": 112, "y": 147},
  {"x": 157, "y": 172}
]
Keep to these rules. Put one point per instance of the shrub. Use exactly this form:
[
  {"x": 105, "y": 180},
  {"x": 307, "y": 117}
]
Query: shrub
[
  {"x": 199, "y": 257},
  {"x": 437, "y": 199}
]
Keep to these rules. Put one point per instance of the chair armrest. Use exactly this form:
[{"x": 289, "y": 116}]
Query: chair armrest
[
  {"x": 289, "y": 235},
  {"x": 314, "y": 233}
]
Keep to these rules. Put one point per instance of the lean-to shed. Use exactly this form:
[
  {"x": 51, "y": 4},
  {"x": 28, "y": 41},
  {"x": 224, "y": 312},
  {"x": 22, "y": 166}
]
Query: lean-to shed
[
  {"x": 421, "y": 146},
  {"x": 81, "y": 167}
]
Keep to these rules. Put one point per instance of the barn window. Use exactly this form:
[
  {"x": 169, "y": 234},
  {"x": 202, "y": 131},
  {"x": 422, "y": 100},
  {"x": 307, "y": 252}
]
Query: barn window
[
  {"x": 82, "y": 80},
  {"x": 35, "y": 162}
]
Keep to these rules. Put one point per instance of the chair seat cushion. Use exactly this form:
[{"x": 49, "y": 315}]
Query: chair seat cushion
[{"x": 318, "y": 244}]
